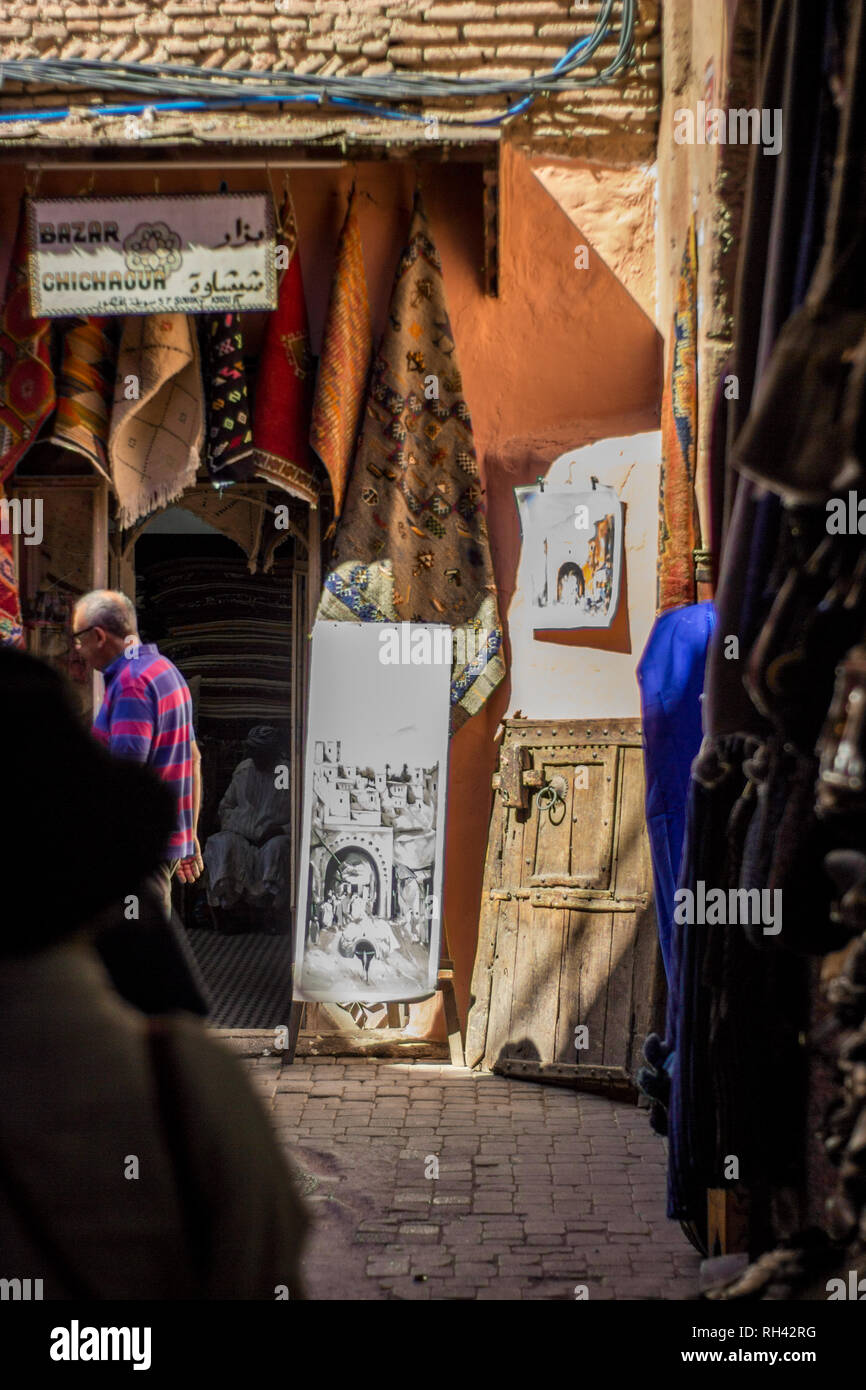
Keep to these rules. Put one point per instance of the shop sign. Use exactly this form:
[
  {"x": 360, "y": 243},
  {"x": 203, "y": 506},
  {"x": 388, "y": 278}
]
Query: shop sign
[{"x": 194, "y": 253}]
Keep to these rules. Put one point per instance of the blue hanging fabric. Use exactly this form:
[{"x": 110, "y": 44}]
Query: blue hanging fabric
[{"x": 670, "y": 674}]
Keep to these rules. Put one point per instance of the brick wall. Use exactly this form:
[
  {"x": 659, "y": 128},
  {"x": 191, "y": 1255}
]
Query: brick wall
[{"x": 468, "y": 38}]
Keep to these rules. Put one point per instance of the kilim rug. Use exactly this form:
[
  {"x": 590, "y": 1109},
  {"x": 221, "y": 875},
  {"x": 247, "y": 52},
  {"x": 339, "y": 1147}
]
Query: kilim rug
[
  {"x": 413, "y": 511},
  {"x": 229, "y": 449},
  {"x": 11, "y": 633},
  {"x": 155, "y": 437},
  {"x": 347, "y": 346},
  {"x": 281, "y": 421},
  {"x": 678, "y": 517},
  {"x": 26, "y": 380},
  {"x": 85, "y": 390}
]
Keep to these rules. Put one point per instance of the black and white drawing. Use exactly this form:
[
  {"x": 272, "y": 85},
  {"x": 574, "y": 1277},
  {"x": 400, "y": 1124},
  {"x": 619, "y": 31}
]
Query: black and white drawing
[
  {"x": 368, "y": 926},
  {"x": 573, "y": 540}
]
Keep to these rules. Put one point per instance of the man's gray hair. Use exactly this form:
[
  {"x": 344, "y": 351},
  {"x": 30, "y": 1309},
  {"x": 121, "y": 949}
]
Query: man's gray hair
[{"x": 110, "y": 609}]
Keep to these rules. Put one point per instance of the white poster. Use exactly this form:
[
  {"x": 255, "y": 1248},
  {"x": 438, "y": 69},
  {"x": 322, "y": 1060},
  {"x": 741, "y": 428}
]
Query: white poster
[
  {"x": 373, "y": 838},
  {"x": 191, "y": 253},
  {"x": 573, "y": 543}
]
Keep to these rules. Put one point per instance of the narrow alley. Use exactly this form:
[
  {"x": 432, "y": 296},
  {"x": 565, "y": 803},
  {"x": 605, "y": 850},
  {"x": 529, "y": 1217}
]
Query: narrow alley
[{"x": 433, "y": 669}]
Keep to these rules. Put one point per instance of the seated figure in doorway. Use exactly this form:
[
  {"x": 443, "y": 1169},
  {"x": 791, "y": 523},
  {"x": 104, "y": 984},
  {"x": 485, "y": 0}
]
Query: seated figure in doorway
[{"x": 249, "y": 859}]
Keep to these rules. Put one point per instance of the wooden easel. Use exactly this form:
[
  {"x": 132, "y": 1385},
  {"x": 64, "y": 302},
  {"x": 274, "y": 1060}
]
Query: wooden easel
[
  {"x": 444, "y": 985},
  {"x": 445, "y": 976}
]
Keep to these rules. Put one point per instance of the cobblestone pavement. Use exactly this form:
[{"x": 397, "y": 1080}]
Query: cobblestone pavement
[{"x": 427, "y": 1182}]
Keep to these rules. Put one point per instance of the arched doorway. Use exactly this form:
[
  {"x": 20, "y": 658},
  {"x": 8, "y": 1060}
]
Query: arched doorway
[
  {"x": 355, "y": 870},
  {"x": 570, "y": 583}
]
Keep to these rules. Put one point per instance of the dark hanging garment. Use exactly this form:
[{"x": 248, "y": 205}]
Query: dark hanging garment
[
  {"x": 716, "y": 464},
  {"x": 714, "y": 788},
  {"x": 743, "y": 600},
  {"x": 728, "y": 1002},
  {"x": 785, "y": 205},
  {"x": 794, "y": 439}
]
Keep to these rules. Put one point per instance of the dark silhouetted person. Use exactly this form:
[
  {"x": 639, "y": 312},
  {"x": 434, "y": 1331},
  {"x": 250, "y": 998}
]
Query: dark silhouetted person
[{"x": 135, "y": 1160}]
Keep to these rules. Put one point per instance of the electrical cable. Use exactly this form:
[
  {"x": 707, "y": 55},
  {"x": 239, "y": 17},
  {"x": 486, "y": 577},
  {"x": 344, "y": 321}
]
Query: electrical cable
[
  {"x": 152, "y": 77},
  {"x": 183, "y": 88}
]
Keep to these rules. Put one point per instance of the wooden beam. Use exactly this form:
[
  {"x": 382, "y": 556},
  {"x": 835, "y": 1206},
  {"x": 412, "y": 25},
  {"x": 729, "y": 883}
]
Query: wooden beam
[
  {"x": 372, "y": 1042},
  {"x": 561, "y": 733},
  {"x": 608, "y": 1081}
]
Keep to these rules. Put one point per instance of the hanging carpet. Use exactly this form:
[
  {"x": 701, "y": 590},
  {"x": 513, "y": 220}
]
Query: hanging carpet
[
  {"x": 229, "y": 451},
  {"x": 281, "y": 421},
  {"x": 413, "y": 515},
  {"x": 27, "y": 393},
  {"x": 85, "y": 390},
  {"x": 678, "y": 522},
  {"x": 347, "y": 346},
  {"x": 11, "y": 633},
  {"x": 155, "y": 439}
]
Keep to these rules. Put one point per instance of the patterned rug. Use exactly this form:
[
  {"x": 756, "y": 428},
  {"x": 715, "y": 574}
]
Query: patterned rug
[
  {"x": 347, "y": 346},
  {"x": 11, "y": 632},
  {"x": 281, "y": 422},
  {"x": 229, "y": 449},
  {"x": 678, "y": 517},
  {"x": 413, "y": 502},
  {"x": 155, "y": 437},
  {"x": 26, "y": 379},
  {"x": 85, "y": 390}
]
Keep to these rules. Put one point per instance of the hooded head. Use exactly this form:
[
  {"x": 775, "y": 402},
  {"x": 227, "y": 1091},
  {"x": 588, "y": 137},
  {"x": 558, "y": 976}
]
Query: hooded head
[{"x": 264, "y": 745}]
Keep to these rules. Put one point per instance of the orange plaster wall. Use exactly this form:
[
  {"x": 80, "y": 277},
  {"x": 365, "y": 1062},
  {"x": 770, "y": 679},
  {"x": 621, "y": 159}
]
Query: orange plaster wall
[{"x": 562, "y": 358}]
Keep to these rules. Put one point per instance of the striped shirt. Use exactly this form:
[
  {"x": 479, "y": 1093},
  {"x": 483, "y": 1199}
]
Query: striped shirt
[{"x": 146, "y": 715}]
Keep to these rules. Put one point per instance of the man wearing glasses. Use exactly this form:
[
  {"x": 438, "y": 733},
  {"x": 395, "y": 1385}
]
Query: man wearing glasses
[{"x": 146, "y": 715}]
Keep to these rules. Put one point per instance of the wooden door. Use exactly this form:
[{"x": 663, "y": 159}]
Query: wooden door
[{"x": 567, "y": 978}]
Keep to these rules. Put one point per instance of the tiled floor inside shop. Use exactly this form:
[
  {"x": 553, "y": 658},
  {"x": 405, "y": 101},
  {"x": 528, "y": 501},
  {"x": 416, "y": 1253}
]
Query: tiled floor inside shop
[{"x": 427, "y": 1181}]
